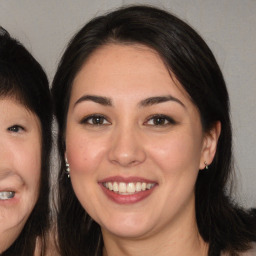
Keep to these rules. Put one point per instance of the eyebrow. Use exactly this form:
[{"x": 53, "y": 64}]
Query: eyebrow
[
  {"x": 144, "y": 103},
  {"x": 97, "y": 99},
  {"x": 159, "y": 99}
]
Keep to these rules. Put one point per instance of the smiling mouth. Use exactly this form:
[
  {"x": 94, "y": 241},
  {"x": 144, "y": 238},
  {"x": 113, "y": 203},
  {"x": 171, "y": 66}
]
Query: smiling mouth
[
  {"x": 129, "y": 188},
  {"x": 5, "y": 195}
]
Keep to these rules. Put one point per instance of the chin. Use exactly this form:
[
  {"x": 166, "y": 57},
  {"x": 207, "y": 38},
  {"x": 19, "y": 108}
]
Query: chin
[
  {"x": 128, "y": 227},
  {"x": 128, "y": 233}
]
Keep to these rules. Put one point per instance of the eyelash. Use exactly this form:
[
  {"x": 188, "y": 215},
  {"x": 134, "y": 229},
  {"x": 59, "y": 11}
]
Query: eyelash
[
  {"x": 16, "y": 128},
  {"x": 161, "y": 118},
  {"x": 158, "y": 120},
  {"x": 97, "y": 118}
]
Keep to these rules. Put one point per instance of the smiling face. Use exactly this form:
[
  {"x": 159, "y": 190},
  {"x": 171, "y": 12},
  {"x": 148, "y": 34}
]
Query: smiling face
[
  {"x": 20, "y": 165},
  {"x": 134, "y": 142}
]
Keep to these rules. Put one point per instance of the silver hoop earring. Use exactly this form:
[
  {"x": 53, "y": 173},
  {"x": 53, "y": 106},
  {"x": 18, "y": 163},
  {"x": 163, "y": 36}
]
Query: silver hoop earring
[{"x": 67, "y": 170}]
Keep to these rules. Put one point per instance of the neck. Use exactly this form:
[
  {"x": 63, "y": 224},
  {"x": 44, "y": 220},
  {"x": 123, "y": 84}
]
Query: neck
[{"x": 178, "y": 238}]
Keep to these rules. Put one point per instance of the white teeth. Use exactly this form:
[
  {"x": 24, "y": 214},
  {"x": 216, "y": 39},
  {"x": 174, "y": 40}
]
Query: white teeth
[
  {"x": 149, "y": 186},
  {"x": 115, "y": 187},
  {"x": 128, "y": 188},
  {"x": 110, "y": 186},
  {"x": 5, "y": 195},
  {"x": 122, "y": 187},
  {"x": 138, "y": 186}
]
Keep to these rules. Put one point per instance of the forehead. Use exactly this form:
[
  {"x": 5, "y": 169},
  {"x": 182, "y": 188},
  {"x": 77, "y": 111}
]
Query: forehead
[
  {"x": 121, "y": 58},
  {"x": 125, "y": 67},
  {"x": 14, "y": 101},
  {"x": 11, "y": 108}
]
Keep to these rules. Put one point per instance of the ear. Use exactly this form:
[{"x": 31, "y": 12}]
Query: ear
[{"x": 210, "y": 143}]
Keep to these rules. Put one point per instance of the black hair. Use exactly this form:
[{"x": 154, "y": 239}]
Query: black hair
[
  {"x": 222, "y": 224},
  {"x": 23, "y": 79}
]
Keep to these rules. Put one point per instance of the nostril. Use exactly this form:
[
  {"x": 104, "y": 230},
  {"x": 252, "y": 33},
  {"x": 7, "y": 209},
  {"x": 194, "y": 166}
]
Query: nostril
[
  {"x": 126, "y": 148},
  {"x": 127, "y": 161}
]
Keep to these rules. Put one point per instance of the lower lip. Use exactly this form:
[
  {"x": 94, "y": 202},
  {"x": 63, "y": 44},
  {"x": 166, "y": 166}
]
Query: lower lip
[{"x": 127, "y": 199}]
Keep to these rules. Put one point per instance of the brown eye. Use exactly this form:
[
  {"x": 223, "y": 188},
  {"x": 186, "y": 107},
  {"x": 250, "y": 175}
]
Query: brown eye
[
  {"x": 160, "y": 120},
  {"x": 95, "y": 120}
]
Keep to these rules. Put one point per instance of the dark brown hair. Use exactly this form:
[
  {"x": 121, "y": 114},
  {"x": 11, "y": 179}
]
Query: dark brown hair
[{"x": 221, "y": 223}]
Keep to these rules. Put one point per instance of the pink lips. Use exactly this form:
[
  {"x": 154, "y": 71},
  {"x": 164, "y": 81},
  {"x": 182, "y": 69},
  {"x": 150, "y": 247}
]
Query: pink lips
[{"x": 127, "y": 198}]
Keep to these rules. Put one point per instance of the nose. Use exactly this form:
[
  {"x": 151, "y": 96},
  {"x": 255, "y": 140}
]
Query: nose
[{"x": 126, "y": 148}]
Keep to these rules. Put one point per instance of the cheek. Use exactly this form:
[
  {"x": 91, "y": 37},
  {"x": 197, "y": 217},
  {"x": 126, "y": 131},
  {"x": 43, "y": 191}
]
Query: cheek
[
  {"x": 34, "y": 164},
  {"x": 26, "y": 160},
  {"x": 177, "y": 153},
  {"x": 84, "y": 153},
  {"x": 177, "y": 160}
]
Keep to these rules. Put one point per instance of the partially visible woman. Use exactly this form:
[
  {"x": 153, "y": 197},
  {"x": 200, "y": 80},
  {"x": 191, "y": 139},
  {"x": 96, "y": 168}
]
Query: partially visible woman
[
  {"x": 145, "y": 142},
  {"x": 25, "y": 145}
]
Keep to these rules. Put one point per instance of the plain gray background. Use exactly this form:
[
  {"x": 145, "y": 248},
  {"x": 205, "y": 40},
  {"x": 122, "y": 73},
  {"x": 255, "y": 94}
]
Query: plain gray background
[{"x": 228, "y": 26}]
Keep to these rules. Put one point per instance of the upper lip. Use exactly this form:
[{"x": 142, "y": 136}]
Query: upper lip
[{"x": 126, "y": 179}]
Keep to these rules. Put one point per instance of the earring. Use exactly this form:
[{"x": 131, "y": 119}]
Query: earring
[
  {"x": 67, "y": 170},
  {"x": 206, "y": 165}
]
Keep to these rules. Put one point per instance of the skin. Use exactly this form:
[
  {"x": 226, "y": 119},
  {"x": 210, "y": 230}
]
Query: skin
[
  {"x": 20, "y": 165},
  {"x": 127, "y": 142}
]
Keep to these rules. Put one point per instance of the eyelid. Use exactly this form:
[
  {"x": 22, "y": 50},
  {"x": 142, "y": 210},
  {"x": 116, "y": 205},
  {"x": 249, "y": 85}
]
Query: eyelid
[
  {"x": 85, "y": 119},
  {"x": 16, "y": 126},
  {"x": 170, "y": 120}
]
